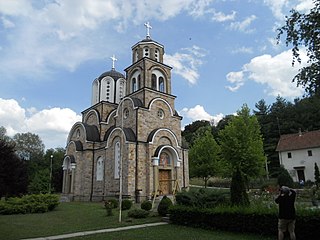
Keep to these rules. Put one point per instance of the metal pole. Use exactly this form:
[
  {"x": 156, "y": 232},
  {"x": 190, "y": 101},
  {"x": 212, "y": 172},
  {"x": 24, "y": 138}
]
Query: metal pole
[
  {"x": 51, "y": 157},
  {"x": 120, "y": 166}
]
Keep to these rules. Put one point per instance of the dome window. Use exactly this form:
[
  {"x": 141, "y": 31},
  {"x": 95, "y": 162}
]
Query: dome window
[{"x": 146, "y": 52}]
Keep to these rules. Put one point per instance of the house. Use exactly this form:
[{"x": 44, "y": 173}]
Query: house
[
  {"x": 299, "y": 152},
  {"x": 129, "y": 140}
]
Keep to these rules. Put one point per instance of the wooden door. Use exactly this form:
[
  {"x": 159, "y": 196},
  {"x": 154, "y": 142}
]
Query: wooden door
[{"x": 165, "y": 182}]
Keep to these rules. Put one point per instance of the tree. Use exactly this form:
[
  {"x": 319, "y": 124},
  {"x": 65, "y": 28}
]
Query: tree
[
  {"x": 303, "y": 30},
  {"x": 13, "y": 171},
  {"x": 239, "y": 195},
  {"x": 189, "y": 131},
  {"x": 284, "y": 178},
  {"x": 242, "y": 148},
  {"x": 29, "y": 146},
  {"x": 316, "y": 175},
  {"x": 204, "y": 157}
]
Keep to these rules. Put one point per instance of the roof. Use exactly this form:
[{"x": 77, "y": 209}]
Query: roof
[
  {"x": 112, "y": 73},
  {"x": 298, "y": 141}
]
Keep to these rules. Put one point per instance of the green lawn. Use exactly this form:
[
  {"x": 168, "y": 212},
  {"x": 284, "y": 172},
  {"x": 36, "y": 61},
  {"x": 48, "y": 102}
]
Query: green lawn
[{"x": 76, "y": 217}]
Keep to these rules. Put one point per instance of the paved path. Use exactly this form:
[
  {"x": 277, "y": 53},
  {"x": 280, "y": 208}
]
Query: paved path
[{"x": 80, "y": 234}]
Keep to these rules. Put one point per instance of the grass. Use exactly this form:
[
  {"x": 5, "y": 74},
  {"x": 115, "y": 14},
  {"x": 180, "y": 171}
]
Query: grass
[{"x": 76, "y": 217}]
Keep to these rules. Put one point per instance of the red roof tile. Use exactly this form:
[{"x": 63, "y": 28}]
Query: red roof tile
[{"x": 299, "y": 141}]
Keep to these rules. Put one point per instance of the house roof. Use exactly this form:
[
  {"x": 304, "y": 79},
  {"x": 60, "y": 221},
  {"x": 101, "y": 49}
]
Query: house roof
[{"x": 299, "y": 141}]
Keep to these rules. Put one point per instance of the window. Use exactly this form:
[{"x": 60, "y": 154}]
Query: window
[
  {"x": 158, "y": 81},
  {"x": 134, "y": 84},
  {"x": 154, "y": 82},
  {"x": 117, "y": 157},
  {"x": 156, "y": 55},
  {"x": 146, "y": 52},
  {"x": 100, "y": 169},
  {"x": 136, "y": 55},
  {"x": 126, "y": 113},
  {"x": 161, "y": 84},
  {"x": 289, "y": 155},
  {"x": 160, "y": 114},
  {"x": 309, "y": 153}
]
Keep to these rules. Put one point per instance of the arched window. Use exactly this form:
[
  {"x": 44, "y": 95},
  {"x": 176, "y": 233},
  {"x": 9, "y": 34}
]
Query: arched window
[
  {"x": 100, "y": 169},
  {"x": 154, "y": 82},
  {"x": 161, "y": 84},
  {"x": 136, "y": 56},
  {"x": 156, "y": 54},
  {"x": 158, "y": 81},
  {"x": 139, "y": 82},
  {"x": 117, "y": 158},
  {"x": 134, "y": 84},
  {"x": 135, "y": 81}
]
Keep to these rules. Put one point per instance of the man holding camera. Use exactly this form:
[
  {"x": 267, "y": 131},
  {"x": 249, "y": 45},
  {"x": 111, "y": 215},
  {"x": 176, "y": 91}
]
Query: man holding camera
[{"x": 287, "y": 212}]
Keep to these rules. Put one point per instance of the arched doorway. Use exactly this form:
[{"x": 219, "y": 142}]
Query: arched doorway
[{"x": 167, "y": 175}]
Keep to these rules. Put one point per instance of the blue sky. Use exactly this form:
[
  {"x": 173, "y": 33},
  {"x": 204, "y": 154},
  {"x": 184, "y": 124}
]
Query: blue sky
[{"x": 223, "y": 54}]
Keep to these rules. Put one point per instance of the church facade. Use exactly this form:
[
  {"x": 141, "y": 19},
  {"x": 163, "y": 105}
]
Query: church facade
[{"x": 130, "y": 135}]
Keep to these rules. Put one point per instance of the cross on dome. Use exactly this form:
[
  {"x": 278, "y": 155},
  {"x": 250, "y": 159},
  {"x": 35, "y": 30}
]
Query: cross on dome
[
  {"x": 113, "y": 58},
  {"x": 148, "y": 27}
]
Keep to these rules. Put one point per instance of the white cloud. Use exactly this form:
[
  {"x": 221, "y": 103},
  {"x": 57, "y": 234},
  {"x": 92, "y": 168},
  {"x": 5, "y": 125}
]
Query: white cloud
[
  {"x": 305, "y": 5},
  {"x": 275, "y": 72},
  {"x": 43, "y": 36},
  {"x": 280, "y": 8},
  {"x": 244, "y": 25},
  {"x": 198, "y": 113},
  {"x": 52, "y": 125},
  {"x": 236, "y": 78},
  {"x": 242, "y": 50},
  {"x": 222, "y": 17},
  {"x": 186, "y": 63},
  {"x": 276, "y": 7}
]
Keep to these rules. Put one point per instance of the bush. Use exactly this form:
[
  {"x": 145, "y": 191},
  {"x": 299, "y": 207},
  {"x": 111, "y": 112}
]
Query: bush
[
  {"x": 246, "y": 220},
  {"x": 202, "y": 198},
  {"x": 35, "y": 203},
  {"x": 111, "y": 203},
  {"x": 138, "y": 213},
  {"x": 146, "y": 205},
  {"x": 164, "y": 205},
  {"x": 126, "y": 204},
  {"x": 284, "y": 178}
]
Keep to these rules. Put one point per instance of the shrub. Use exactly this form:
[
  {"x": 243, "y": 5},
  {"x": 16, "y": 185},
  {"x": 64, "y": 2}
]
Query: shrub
[
  {"x": 261, "y": 221},
  {"x": 284, "y": 178},
  {"x": 35, "y": 203},
  {"x": 202, "y": 198},
  {"x": 138, "y": 213},
  {"x": 164, "y": 205},
  {"x": 111, "y": 203},
  {"x": 146, "y": 205},
  {"x": 126, "y": 204}
]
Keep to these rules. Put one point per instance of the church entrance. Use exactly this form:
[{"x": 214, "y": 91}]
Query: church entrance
[{"x": 165, "y": 182}]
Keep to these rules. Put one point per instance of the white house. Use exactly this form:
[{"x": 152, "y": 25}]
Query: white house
[{"x": 299, "y": 152}]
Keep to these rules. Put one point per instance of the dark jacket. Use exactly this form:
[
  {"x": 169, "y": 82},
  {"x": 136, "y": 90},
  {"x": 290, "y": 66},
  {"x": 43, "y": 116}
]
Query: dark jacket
[{"x": 286, "y": 205}]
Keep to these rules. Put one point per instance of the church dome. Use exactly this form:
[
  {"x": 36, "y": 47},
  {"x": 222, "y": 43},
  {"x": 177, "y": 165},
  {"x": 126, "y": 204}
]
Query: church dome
[{"x": 113, "y": 73}]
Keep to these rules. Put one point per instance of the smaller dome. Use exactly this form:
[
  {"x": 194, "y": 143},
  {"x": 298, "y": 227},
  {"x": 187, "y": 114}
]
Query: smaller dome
[{"x": 113, "y": 73}]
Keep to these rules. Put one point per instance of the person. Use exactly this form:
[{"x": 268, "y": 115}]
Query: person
[{"x": 287, "y": 212}]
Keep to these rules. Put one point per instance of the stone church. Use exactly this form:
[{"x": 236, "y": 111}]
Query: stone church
[{"x": 130, "y": 135}]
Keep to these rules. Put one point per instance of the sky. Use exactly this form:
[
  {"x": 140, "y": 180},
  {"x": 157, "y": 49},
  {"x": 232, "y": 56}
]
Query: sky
[{"x": 223, "y": 53}]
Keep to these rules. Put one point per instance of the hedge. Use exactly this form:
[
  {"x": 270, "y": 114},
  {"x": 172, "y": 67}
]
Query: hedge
[
  {"x": 35, "y": 203},
  {"x": 244, "y": 220}
]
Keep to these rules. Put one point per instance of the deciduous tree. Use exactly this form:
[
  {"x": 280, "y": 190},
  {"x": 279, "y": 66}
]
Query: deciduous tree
[
  {"x": 303, "y": 30},
  {"x": 204, "y": 157},
  {"x": 242, "y": 147}
]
